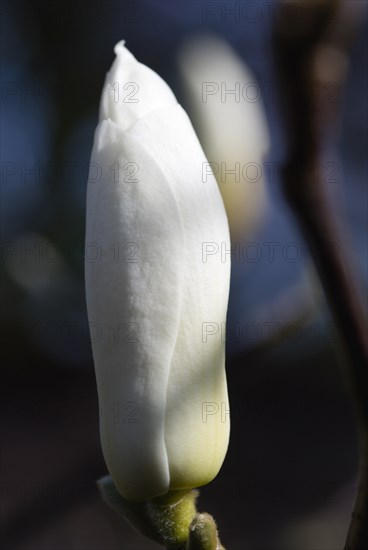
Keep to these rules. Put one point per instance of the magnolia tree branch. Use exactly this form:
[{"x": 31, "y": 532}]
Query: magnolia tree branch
[{"x": 311, "y": 41}]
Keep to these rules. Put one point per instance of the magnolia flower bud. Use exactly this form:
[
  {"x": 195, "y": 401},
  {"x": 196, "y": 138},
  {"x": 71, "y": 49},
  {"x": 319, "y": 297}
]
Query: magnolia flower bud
[{"x": 158, "y": 301}]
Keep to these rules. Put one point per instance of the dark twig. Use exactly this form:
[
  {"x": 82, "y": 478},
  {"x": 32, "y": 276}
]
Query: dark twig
[{"x": 311, "y": 40}]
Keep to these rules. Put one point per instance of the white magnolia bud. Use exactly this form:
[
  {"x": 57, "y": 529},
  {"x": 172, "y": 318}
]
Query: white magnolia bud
[
  {"x": 157, "y": 289},
  {"x": 226, "y": 101}
]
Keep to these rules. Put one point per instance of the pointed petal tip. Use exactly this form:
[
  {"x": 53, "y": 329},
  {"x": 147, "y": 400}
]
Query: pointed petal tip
[{"x": 121, "y": 50}]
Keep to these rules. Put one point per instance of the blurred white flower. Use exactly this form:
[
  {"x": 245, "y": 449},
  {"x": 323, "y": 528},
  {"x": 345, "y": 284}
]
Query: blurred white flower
[
  {"x": 225, "y": 101},
  {"x": 161, "y": 383}
]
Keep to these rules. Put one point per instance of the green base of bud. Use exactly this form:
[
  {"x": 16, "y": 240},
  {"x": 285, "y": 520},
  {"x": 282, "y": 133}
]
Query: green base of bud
[
  {"x": 170, "y": 520},
  {"x": 172, "y": 514}
]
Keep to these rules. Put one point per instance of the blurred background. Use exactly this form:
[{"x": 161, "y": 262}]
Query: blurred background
[{"x": 289, "y": 479}]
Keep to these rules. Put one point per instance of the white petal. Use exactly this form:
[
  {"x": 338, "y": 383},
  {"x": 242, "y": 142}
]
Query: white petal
[
  {"x": 196, "y": 448},
  {"x": 145, "y": 295},
  {"x": 132, "y": 90}
]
